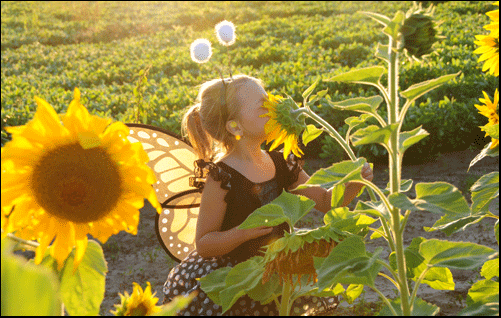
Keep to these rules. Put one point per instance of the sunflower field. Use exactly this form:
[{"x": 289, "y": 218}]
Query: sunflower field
[
  {"x": 48, "y": 49},
  {"x": 69, "y": 170}
]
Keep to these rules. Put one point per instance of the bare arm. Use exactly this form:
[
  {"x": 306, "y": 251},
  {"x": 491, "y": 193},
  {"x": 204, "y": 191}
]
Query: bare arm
[
  {"x": 322, "y": 197},
  {"x": 210, "y": 241}
]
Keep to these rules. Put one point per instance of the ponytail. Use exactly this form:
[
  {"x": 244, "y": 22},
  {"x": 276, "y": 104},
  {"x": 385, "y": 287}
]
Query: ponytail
[{"x": 191, "y": 126}]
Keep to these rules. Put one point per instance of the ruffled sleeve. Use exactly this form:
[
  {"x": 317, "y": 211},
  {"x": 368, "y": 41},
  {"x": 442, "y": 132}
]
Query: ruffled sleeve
[
  {"x": 204, "y": 168},
  {"x": 294, "y": 167}
]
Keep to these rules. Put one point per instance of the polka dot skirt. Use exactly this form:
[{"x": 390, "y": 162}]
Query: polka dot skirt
[{"x": 182, "y": 281}]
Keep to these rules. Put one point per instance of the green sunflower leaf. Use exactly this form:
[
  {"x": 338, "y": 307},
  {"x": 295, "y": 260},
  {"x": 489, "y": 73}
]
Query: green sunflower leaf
[
  {"x": 369, "y": 75},
  {"x": 393, "y": 27},
  {"x": 484, "y": 191},
  {"x": 417, "y": 90},
  {"x": 287, "y": 207},
  {"x": 338, "y": 173},
  {"x": 487, "y": 151},
  {"x": 409, "y": 138},
  {"x": 368, "y": 105},
  {"x": 311, "y": 133},
  {"x": 373, "y": 135},
  {"x": 354, "y": 121},
  {"x": 384, "y": 20},
  {"x": 420, "y": 308}
]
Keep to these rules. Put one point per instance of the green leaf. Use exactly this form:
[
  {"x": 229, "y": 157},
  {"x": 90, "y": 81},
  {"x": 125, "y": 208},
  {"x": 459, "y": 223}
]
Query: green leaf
[
  {"x": 348, "y": 263},
  {"x": 420, "y": 308},
  {"x": 374, "y": 208},
  {"x": 405, "y": 185},
  {"x": 384, "y": 20},
  {"x": 417, "y": 90},
  {"x": 345, "y": 220},
  {"x": 479, "y": 309},
  {"x": 490, "y": 269},
  {"x": 382, "y": 52},
  {"x": 317, "y": 96},
  {"x": 310, "y": 89},
  {"x": 401, "y": 201},
  {"x": 409, "y": 138},
  {"x": 311, "y": 133},
  {"x": 178, "y": 303},
  {"x": 487, "y": 151},
  {"x": 484, "y": 191},
  {"x": 287, "y": 207},
  {"x": 265, "y": 293},
  {"x": 367, "y": 105},
  {"x": 484, "y": 291},
  {"x": 373, "y": 135},
  {"x": 241, "y": 278},
  {"x": 27, "y": 289},
  {"x": 455, "y": 255},
  {"x": 352, "y": 292},
  {"x": 369, "y": 75},
  {"x": 213, "y": 283},
  {"x": 82, "y": 291},
  {"x": 496, "y": 231},
  {"x": 337, "y": 197},
  {"x": 338, "y": 173},
  {"x": 393, "y": 27},
  {"x": 354, "y": 121},
  {"x": 492, "y": 130},
  {"x": 443, "y": 198}
]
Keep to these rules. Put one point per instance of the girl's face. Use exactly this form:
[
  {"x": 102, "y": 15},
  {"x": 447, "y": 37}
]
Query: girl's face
[{"x": 252, "y": 96}]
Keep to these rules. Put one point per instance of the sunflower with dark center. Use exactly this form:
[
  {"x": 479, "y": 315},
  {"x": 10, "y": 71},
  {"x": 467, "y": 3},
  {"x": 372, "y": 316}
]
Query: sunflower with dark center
[
  {"x": 285, "y": 124},
  {"x": 64, "y": 180},
  {"x": 287, "y": 263}
]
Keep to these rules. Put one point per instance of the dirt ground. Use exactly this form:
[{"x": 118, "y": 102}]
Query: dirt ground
[{"x": 141, "y": 258}]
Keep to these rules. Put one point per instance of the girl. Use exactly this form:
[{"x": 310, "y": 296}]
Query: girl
[{"x": 226, "y": 130}]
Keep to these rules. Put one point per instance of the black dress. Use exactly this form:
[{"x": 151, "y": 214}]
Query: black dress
[{"x": 242, "y": 198}]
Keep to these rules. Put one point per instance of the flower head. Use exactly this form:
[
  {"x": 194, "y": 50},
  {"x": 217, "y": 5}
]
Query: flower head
[
  {"x": 419, "y": 33},
  {"x": 139, "y": 303},
  {"x": 64, "y": 180},
  {"x": 489, "y": 44},
  {"x": 300, "y": 262},
  {"x": 201, "y": 50},
  {"x": 285, "y": 124},
  {"x": 225, "y": 33},
  {"x": 490, "y": 110}
]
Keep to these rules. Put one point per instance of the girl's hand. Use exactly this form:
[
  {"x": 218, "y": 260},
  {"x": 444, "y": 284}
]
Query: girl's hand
[
  {"x": 367, "y": 172},
  {"x": 249, "y": 234}
]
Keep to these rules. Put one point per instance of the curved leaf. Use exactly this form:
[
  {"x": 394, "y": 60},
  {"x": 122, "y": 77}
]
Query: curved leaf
[
  {"x": 409, "y": 138},
  {"x": 421, "y": 308},
  {"x": 384, "y": 20},
  {"x": 422, "y": 88},
  {"x": 360, "y": 104},
  {"x": 287, "y": 207},
  {"x": 373, "y": 135},
  {"x": 393, "y": 27},
  {"x": 484, "y": 191},
  {"x": 487, "y": 151},
  {"x": 338, "y": 173},
  {"x": 354, "y": 121},
  {"x": 369, "y": 75},
  {"x": 311, "y": 133},
  {"x": 27, "y": 290},
  {"x": 455, "y": 255}
]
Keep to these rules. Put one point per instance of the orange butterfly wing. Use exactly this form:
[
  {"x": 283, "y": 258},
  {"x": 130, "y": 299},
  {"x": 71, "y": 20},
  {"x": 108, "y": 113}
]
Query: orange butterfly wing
[{"x": 172, "y": 161}]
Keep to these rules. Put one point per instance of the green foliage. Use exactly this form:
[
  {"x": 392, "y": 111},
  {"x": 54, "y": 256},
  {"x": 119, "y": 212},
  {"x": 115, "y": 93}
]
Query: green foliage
[{"x": 100, "y": 47}]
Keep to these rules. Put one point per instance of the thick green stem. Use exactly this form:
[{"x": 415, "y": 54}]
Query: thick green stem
[
  {"x": 286, "y": 295},
  {"x": 394, "y": 167}
]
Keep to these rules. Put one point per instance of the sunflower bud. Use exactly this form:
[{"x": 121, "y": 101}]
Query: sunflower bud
[{"x": 419, "y": 33}]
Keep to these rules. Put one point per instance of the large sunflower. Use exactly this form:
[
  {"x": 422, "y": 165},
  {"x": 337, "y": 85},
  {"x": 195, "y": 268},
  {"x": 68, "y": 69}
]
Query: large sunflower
[
  {"x": 284, "y": 125},
  {"x": 139, "y": 303},
  {"x": 490, "y": 110},
  {"x": 489, "y": 44},
  {"x": 62, "y": 181}
]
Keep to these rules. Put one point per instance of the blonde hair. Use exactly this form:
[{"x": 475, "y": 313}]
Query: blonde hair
[{"x": 205, "y": 122}]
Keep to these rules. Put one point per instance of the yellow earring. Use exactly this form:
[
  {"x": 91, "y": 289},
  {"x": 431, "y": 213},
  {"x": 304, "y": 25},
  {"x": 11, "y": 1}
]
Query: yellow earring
[
  {"x": 237, "y": 137},
  {"x": 233, "y": 124}
]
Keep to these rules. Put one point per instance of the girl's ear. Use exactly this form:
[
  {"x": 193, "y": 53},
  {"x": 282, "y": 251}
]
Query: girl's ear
[{"x": 233, "y": 127}]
